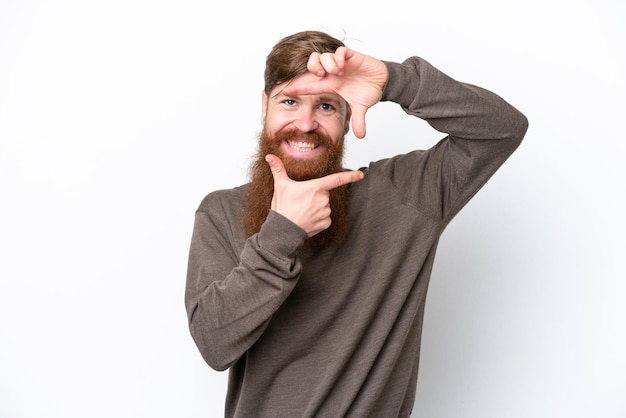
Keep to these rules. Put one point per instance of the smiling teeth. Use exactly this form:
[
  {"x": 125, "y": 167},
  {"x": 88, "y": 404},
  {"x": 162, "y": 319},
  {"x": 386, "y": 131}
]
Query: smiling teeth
[{"x": 302, "y": 146}]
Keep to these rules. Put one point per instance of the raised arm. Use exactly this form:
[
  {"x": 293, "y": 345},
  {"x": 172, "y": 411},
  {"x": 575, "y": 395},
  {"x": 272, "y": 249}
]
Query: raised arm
[{"x": 482, "y": 131}]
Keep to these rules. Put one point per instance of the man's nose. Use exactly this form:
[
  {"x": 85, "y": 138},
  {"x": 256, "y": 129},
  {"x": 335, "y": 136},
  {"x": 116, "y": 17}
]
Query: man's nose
[{"x": 305, "y": 121}]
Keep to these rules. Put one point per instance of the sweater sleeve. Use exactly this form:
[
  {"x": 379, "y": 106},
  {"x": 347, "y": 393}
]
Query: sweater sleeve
[
  {"x": 482, "y": 131},
  {"x": 231, "y": 293}
]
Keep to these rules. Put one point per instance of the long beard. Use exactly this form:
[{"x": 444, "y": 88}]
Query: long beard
[{"x": 261, "y": 187}]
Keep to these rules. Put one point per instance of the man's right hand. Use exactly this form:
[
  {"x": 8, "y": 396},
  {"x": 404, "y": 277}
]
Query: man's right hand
[{"x": 306, "y": 203}]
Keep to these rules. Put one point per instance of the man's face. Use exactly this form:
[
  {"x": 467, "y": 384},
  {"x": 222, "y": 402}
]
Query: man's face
[
  {"x": 295, "y": 119},
  {"x": 306, "y": 132}
]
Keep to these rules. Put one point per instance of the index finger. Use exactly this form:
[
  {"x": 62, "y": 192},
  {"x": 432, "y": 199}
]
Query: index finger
[
  {"x": 321, "y": 64},
  {"x": 308, "y": 83},
  {"x": 335, "y": 180}
]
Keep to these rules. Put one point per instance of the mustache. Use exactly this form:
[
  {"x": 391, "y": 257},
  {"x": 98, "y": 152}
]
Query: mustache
[{"x": 293, "y": 134}]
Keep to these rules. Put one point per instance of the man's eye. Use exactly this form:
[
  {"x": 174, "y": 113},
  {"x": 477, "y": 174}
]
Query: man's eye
[
  {"x": 290, "y": 102},
  {"x": 326, "y": 106}
]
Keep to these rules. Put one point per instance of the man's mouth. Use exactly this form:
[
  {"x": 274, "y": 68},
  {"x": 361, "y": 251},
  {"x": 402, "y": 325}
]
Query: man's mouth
[{"x": 302, "y": 146}]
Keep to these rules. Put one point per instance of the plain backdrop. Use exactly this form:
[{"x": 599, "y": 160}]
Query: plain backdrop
[{"x": 118, "y": 117}]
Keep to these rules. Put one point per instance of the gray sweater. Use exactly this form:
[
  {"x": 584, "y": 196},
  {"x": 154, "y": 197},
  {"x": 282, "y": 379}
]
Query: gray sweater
[{"x": 336, "y": 332}]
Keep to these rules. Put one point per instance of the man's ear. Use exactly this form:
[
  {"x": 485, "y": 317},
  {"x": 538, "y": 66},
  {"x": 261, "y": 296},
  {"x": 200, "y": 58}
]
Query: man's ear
[{"x": 263, "y": 106}]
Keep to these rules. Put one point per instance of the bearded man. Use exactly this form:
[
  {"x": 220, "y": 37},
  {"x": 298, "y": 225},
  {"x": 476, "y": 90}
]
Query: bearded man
[{"x": 309, "y": 283}]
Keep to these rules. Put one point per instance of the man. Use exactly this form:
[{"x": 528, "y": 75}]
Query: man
[{"x": 309, "y": 283}]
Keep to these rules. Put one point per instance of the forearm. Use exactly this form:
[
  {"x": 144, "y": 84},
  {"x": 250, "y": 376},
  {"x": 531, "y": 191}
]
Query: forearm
[
  {"x": 229, "y": 301},
  {"x": 458, "y": 109},
  {"x": 482, "y": 131}
]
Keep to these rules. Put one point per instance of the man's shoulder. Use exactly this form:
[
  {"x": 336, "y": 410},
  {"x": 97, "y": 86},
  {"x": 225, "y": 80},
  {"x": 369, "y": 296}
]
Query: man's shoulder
[
  {"x": 409, "y": 159},
  {"x": 231, "y": 198}
]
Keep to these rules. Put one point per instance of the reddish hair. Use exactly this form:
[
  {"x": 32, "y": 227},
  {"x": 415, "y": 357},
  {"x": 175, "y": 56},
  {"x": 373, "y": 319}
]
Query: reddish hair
[{"x": 288, "y": 58}]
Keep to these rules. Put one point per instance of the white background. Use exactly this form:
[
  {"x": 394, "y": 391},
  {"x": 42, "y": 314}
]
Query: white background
[{"x": 117, "y": 117}]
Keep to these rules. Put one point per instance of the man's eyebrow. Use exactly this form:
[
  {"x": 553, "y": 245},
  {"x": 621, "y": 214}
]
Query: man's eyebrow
[
  {"x": 280, "y": 95},
  {"x": 329, "y": 98},
  {"x": 279, "y": 92},
  {"x": 321, "y": 98}
]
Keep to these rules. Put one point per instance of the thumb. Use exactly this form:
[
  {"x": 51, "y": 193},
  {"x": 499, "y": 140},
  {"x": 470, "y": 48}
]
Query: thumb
[
  {"x": 358, "y": 122},
  {"x": 277, "y": 167}
]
